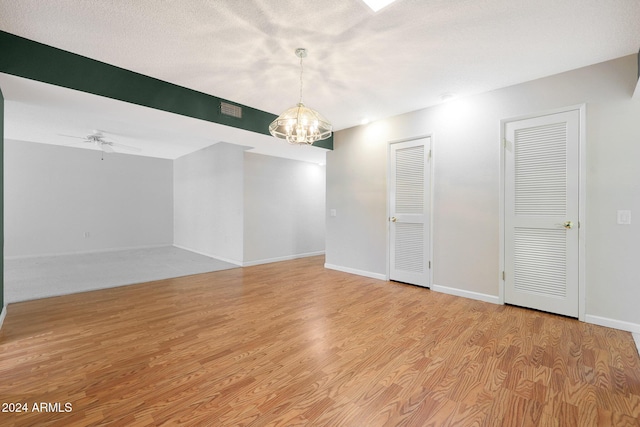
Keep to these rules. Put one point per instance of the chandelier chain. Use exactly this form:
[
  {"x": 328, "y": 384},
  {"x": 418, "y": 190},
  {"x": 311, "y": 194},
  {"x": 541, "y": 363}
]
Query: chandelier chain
[{"x": 301, "y": 71}]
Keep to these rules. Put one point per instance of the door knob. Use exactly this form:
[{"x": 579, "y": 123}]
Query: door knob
[
  {"x": 567, "y": 224},
  {"x": 394, "y": 219}
]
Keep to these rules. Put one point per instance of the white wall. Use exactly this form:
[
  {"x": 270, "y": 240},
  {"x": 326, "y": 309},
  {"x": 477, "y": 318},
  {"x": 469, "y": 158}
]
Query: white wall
[
  {"x": 613, "y": 182},
  {"x": 283, "y": 208},
  {"x": 54, "y": 194},
  {"x": 208, "y": 195},
  {"x": 356, "y": 189},
  {"x": 466, "y": 138},
  {"x": 248, "y": 208}
]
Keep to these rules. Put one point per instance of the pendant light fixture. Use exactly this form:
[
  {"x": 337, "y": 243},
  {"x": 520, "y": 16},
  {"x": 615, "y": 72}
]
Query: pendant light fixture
[{"x": 301, "y": 125}]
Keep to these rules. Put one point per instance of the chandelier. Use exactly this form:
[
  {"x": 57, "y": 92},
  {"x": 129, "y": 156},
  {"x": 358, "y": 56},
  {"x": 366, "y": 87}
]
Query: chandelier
[{"x": 301, "y": 125}]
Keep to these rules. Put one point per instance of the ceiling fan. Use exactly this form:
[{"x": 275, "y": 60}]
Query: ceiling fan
[{"x": 98, "y": 139}]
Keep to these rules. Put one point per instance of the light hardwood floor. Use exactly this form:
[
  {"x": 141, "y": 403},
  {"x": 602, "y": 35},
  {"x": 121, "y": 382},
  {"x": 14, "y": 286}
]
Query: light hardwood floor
[{"x": 292, "y": 343}]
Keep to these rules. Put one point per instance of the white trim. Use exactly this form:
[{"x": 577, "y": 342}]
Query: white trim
[
  {"x": 582, "y": 205},
  {"x": 282, "y": 258},
  {"x": 231, "y": 261},
  {"x": 613, "y": 323},
  {"x": 93, "y": 251},
  {"x": 431, "y": 210},
  {"x": 356, "y": 271},
  {"x": 636, "y": 92},
  {"x": 466, "y": 294},
  {"x": 501, "y": 216},
  {"x": 432, "y": 165},
  {"x": 582, "y": 215},
  {"x": 3, "y": 314},
  {"x": 636, "y": 338}
]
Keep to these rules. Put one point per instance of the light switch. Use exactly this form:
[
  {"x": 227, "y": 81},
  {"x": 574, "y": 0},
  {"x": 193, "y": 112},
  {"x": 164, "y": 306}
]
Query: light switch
[
  {"x": 624, "y": 217},
  {"x": 332, "y": 212}
]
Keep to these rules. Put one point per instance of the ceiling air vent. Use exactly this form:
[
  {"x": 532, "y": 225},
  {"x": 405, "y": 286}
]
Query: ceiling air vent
[{"x": 231, "y": 110}]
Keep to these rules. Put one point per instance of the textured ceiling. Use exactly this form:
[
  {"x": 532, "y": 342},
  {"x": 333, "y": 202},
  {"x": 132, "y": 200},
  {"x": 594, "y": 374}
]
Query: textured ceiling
[{"x": 361, "y": 64}]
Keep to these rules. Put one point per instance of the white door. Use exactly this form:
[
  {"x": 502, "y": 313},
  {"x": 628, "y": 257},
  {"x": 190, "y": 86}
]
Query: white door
[
  {"x": 409, "y": 172},
  {"x": 541, "y": 212}
]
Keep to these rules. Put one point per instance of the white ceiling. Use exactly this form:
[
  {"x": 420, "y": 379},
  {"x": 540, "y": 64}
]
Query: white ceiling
[
  {"x": 361, "y": 64},
  {"x": 48, "y": 114}
]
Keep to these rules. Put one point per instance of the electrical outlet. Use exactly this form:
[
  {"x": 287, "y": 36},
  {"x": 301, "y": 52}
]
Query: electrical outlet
[
  {"x": 332, "y": 212},
  {"x": 86, "y": 234},
  {"x": 624, "y": 217}
]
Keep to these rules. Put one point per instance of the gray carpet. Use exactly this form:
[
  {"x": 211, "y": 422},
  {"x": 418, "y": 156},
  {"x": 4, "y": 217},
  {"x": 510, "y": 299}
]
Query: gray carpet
[{"x": 41, "y": 277}]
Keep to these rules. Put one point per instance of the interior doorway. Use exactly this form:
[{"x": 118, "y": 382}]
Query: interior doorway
[
  {"x": 409, "y": 198},
  {"x": 542, "y": 212}
]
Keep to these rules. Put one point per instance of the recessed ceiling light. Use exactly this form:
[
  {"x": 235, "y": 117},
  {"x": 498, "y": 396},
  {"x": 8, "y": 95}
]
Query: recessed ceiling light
[{"x": 376, "y": 5}]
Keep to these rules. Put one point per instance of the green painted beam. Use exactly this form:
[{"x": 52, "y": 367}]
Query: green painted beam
[
  {"x": 1, "y": 199},
  {"x": 36, "y": 61}
]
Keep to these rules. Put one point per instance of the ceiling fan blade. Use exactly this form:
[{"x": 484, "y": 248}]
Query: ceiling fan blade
[
  {"x": 73, "y": 136},
  {"x": 74, "y": 143},
  {"x": 107, "y": 148},
  {"x": 126, "y": 147}
]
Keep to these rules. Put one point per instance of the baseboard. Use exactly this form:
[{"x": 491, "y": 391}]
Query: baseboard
[
  {"x": 282, "y": 258},
  {"x": 93, "y": 251},
  {"x": 230, "y": 261},
  {"x": 3, "y": 314},
  {"x": 613, "y": 323},
  {"x": 356, "y": 271},
  {"x": 466, "y": 294}
]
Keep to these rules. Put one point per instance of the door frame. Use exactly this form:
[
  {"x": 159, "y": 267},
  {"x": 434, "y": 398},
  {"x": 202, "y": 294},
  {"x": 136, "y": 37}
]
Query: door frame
[
  {"x": 582, "y": 192},
  {"x": 430, "y": 158}
]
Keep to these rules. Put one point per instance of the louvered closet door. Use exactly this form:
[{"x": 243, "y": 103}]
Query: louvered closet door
[
  {"x": 541, "y": 213},
  {"x": 409, "y": 211}
]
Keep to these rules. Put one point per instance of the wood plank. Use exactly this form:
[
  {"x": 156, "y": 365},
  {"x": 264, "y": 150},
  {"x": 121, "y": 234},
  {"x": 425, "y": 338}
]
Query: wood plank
[{"x": 293, "y": 343}]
